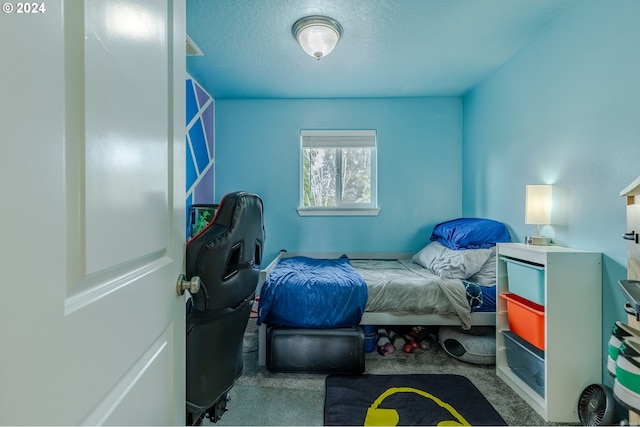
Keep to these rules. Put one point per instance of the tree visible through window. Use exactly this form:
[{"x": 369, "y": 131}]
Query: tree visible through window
[{"x": 338, "y": 169}]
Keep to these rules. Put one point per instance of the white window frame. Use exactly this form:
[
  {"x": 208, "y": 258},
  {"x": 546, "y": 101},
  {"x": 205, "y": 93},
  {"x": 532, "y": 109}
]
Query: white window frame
[{"x": 340, "y": 139}]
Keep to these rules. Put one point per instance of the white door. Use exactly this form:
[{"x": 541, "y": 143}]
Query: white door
[{"x": 92, "y": 212}]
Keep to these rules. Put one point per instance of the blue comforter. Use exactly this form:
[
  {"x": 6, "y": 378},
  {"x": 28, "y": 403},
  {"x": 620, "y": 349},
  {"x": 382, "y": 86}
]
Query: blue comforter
[{"x": 313, "y": 293}]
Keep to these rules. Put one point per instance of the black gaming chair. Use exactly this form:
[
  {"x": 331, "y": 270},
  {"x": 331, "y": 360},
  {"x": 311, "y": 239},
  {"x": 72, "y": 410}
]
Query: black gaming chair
[{"x": 226, "y": 256}]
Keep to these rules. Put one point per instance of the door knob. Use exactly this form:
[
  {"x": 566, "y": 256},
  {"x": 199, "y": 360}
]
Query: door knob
[
  {"x": 192, "y": 285},
  {"x": 631, "y": 236}
]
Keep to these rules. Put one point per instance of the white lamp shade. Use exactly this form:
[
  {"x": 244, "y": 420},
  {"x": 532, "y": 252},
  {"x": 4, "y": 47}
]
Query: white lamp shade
[{"x": 538, "y": 204}]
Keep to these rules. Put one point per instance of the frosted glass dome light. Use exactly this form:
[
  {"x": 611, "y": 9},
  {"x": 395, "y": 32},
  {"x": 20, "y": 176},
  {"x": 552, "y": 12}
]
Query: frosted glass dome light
[{"x": 317, "y": 35}]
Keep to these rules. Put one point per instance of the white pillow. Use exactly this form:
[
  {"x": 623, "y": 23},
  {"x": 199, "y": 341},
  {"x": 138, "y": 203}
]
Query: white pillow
[
  {"x": 450, "y": 264},
  {"x": 486, "y": 276}
]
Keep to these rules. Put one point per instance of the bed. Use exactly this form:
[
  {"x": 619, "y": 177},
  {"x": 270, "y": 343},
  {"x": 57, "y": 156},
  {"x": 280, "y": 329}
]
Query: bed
[{"x": 451, "y": 281}]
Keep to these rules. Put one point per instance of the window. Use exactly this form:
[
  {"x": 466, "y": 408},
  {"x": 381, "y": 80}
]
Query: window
[{"x": 338, "y": 173}]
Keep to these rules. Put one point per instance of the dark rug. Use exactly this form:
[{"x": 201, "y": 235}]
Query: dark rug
[{"x": 406, "y": 400}]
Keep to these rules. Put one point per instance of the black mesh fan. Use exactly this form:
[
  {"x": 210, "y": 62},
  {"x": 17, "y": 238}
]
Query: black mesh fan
[{"x": 596, "y": 406}]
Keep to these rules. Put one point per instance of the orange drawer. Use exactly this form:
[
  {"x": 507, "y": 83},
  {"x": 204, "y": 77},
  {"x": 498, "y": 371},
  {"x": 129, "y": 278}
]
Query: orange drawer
[{"x": 526, "y": 319}]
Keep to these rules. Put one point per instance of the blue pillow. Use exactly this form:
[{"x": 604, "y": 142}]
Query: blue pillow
[{"x": 470, "y": 233}]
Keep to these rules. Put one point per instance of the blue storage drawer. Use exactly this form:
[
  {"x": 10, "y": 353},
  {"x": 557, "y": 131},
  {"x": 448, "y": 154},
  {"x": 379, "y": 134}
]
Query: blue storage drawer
[
  {"x": 525, "y": 279},
  {"x": 526, "y": 361}
]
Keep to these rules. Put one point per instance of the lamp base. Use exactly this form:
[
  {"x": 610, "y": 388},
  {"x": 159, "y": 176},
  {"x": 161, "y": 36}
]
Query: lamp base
[{"x": 538, "y": 240}]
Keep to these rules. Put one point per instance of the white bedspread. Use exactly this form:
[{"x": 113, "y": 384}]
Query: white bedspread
[{"x": 403, "y": 287}]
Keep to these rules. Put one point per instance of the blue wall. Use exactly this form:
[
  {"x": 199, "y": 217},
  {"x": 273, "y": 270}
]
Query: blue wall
[
  {"x": 564, "y": 111},
  {"x": 419, "y": 168},
  {"x": 200, "y": 143}
]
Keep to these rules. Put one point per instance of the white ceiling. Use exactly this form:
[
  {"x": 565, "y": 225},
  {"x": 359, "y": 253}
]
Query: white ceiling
[{"x": 389, "y": 48}]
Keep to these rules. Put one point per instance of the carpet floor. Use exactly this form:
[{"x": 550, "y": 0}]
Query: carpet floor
[{"x": 264, "y": 398}]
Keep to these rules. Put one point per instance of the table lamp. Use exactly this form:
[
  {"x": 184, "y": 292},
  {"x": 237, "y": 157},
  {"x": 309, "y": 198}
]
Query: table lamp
[{"x": 538, "y": 211}]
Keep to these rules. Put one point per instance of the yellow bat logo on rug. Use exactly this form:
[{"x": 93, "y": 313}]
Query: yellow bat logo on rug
[{"x": 389, "y": 417}]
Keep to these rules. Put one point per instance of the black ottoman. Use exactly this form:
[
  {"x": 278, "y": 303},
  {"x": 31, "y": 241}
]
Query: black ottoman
[{"x": 319, "y": 351}]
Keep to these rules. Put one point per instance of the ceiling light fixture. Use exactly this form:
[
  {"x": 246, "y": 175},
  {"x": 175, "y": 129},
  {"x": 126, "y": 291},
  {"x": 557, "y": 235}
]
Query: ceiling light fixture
[{"x": 317, "y": 35}]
